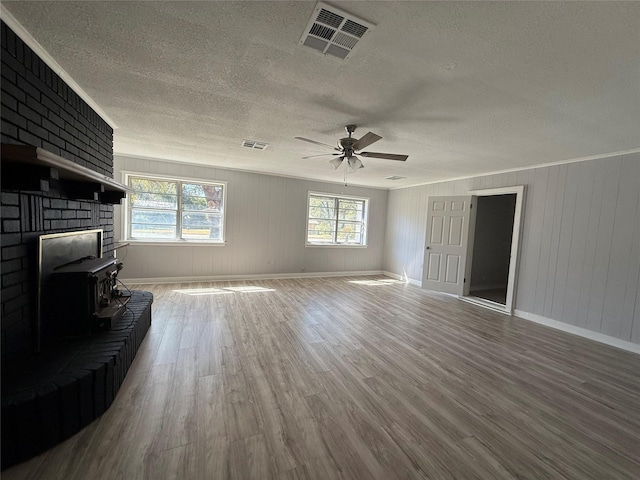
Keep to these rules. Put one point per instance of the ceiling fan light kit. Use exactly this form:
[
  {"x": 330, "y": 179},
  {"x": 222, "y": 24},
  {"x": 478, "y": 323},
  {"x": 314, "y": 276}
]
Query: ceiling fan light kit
[
  {"x": 349, "y": 147},
  {"x": 354, "y": 164},
  {"x": 336, "y": 162}
]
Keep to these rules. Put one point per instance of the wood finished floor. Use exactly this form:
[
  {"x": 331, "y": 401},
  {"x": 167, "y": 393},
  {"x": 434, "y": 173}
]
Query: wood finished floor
[
  {"x": 498, "y": 295},
  {"x": 327, "y": 379}
]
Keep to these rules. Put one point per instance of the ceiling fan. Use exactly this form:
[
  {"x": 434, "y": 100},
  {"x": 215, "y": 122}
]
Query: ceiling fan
[{"x": 350, "y": 147}]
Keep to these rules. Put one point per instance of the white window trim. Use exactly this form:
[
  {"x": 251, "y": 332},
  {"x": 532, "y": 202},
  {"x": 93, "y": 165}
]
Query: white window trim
[
  {"x": 365, "y": 221},
  {"x": 177, "y": 242}
]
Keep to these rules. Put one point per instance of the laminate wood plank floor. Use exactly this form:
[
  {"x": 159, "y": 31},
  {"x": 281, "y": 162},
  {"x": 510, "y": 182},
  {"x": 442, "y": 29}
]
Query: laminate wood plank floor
[
  {"x": 355, "y": 378},
  {"x": 498, "y": 295}
]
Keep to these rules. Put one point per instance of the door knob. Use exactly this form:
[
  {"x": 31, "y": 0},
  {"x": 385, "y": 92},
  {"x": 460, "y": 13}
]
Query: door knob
[{"x": 428, "y": 248}]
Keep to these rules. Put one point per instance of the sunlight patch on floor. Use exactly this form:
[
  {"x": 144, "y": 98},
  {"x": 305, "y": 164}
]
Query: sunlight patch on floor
[
  {"x": 250, "y": 289},
  {"x": 382, "y": 281},
  {"x": 223, "y": 290}
]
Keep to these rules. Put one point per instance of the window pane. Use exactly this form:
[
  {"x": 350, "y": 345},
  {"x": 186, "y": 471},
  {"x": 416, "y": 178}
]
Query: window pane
[
  {"x": 321, "y": 231},
  {"x": 142, "y": 230},
  {"x": 153, "y": 193},
  {"x": 349, "y": 232},
  {"x": 322, "y": 207},
  {"x": 317, "y": 201},
  {"x": 154, "y": 186},
  {"x": 202, "y": 197},
  {"x": 161, "y": 217},
  {"x": 201, "y": 226},
  {"x": 351, "y": 210},
  {"x": 349, "y": 238},
  {"x": 154, "y": 200}
]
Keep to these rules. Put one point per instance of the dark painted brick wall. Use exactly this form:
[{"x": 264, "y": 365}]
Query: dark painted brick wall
[{"x": 39, "y": 109}]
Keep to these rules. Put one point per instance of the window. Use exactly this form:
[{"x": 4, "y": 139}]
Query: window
[
  {"x": 336, "y": 220},
  {"x": 173, "y": 210}
]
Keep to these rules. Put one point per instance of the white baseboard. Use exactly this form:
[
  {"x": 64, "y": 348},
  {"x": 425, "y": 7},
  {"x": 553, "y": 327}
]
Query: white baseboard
[
  {"x": 417, "y": 283},
  {"x": 582, "y": 332},
  {"x": 264, "y": 276},
  {"x": 565, "y": 327}
]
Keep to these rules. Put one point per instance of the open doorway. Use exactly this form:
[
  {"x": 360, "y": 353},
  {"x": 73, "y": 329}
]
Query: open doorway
[
  {"x": 501, "y": 221},
  {"x": 492, "y": 247},
  {"x": 449, "y": 245}
]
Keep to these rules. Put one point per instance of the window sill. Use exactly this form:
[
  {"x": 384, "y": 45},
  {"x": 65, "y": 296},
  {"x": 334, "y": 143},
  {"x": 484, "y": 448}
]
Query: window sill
[
  {"x": 333, "y": 245},
  {"x": 175, "y": 243}
]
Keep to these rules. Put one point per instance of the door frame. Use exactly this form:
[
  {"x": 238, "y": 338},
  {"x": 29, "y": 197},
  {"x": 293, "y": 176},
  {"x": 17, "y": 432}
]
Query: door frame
[{"x": 519, "y": 191}]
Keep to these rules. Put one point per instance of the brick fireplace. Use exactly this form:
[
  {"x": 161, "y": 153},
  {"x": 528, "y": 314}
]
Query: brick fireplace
[
  {"x": 49, "y": 394},
  {"x": 39, "y": 109}
]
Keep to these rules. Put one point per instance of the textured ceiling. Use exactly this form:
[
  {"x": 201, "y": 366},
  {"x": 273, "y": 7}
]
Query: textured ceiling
[{"x": 463, "y": 88}]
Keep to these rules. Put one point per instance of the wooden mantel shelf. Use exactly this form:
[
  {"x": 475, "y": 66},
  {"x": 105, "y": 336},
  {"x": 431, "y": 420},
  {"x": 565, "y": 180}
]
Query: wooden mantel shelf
[{"x": 31, "y": 168}]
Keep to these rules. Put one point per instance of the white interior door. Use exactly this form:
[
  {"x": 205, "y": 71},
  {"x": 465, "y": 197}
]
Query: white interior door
[{"x": 445, "y": 255}]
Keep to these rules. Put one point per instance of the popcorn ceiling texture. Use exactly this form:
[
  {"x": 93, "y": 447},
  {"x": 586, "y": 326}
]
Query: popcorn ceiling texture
[{"x": 463, "y": 88}]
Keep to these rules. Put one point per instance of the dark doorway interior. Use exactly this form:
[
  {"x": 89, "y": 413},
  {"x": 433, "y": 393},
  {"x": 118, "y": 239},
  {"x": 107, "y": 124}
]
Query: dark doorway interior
[{"x": 492, "y": 247}]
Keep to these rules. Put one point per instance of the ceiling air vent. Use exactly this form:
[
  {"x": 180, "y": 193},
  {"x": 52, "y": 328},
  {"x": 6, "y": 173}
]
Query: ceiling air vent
[
  {"x": 333, "y": 32},
  {"x": 255, "y": 145},
  {"x": 394, "y": 177}
]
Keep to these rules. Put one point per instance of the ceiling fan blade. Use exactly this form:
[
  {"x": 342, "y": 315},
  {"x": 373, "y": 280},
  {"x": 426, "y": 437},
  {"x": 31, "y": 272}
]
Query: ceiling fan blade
[
  {"x": 386, "y": 156},
  {"x": 366, "y": 140},
  {"x": 317, "y": 143},
  {"x": 321, "y": 155},
  {"x": 336, "y": 162}
]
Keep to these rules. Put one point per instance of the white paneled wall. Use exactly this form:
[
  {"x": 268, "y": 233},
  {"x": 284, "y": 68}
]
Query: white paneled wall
[
  {"x": 265, "y": 229},
  {"x": 580, "y": 245}
]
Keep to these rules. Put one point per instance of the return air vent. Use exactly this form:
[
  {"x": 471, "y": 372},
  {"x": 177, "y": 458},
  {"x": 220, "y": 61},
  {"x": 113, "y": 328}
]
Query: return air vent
[
  {"x": 333, "y": 32},
  {"x": 255, "y": 145}
]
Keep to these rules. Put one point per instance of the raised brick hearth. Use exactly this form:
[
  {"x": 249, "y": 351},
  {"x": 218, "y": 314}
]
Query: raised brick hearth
[{"x": 66, "y": 387}]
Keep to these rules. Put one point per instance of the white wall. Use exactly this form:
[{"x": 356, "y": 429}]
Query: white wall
[
  {"x": 265, "y": 229},
  {"x": 580, "y": 247}
]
